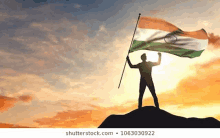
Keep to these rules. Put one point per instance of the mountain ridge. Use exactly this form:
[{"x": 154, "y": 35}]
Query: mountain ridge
[{"x": 151, "y": 117}]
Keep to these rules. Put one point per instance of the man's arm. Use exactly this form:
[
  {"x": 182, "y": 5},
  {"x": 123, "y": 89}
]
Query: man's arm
[
  {"x": 129, "y": 62},
  {"x": 159, "y": 60}
]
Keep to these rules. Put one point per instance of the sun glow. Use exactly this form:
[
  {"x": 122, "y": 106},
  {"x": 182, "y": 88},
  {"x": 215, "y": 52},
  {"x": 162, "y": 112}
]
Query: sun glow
[
  {"x": 151, "y": 56},
  {"x": 166, "y": 76}
]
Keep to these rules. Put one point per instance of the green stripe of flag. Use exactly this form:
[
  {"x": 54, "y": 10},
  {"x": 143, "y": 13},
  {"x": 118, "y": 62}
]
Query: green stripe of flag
[{"x": 164, "y": 47}]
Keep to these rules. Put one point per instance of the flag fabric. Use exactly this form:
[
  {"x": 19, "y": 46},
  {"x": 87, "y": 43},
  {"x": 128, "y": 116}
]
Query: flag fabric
[{"x": 159, "y": 35}]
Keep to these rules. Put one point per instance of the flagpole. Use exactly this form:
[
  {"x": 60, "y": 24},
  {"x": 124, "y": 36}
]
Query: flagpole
[{"x": 129, "y": 49}]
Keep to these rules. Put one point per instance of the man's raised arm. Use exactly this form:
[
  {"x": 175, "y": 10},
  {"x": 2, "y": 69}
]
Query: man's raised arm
[
  {"x": 159, "y": 60},
  {"x": 129, "y": 62}
]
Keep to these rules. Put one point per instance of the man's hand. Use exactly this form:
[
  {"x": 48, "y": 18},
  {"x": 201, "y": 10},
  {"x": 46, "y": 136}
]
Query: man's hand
[{"x": 159, "y": 54}]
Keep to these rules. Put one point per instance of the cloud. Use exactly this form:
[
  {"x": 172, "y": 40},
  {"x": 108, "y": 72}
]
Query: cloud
[
  {"x": 72, "y": 119},
  {"x": 77, "y": 6},
  {"x": 6, "y": 125},
  {"x": 7, "y": 71},
  {"x": 36, "y": 55},
  {"x": 25, "y": 98},
  {"x": 6, "y": 103},
  {"x": 21, "y": 84},
  {"x": 62, "y": 88},
  {"x": 154, "y": 11},
  {"x": 80, "y": 118},
  {"x": 56, "y": 46},
  {"x": 9, "y": 102},
  {"x": 12, "y": 15}
]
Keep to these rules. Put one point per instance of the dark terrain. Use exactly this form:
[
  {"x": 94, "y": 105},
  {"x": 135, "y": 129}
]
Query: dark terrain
[{"x": 151, "y": 117}]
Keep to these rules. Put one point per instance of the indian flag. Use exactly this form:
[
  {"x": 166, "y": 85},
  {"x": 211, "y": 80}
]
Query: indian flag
[{"x": 159, "y": 35}]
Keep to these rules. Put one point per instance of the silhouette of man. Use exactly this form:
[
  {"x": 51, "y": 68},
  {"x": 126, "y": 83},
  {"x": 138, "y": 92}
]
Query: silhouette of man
[{"x": 145, "y": 69}]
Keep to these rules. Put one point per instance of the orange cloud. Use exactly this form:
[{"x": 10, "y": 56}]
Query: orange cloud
[
  {"x": 25, "y": 98},
  {"x": 81, "y": 119},
  {"x": 210, "y": 64},
  {"x": 154, "y": 11},
  {"x": 4, "y": 125},
  {"x": 40, "y": 63},
  {"x": 214, "y": 40},
  {"x": 9, "y": 102},
  {"x": 8, "y": 72},
  {"x": 71, "y": 119},
  {"x": 6, "y": 103}
]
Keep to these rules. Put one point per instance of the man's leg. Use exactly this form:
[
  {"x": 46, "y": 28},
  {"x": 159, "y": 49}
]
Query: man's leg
[
  {"x": 141, "y": 92},
  {"x": 152, "y": 90}
]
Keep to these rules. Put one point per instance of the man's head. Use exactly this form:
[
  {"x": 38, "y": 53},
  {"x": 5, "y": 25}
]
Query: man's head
[{"x": 144, "y": 57}]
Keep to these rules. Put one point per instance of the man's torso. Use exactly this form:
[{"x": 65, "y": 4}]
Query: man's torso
[{"x": 145, "y": 69}]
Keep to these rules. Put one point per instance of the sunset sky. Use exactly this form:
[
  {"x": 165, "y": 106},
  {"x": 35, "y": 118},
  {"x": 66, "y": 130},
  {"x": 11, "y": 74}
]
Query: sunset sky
[{"x": 61, "y": 61}]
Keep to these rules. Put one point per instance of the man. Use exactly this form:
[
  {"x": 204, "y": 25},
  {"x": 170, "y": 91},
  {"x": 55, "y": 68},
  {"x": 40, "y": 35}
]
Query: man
[{"x": 145, "y": 69}]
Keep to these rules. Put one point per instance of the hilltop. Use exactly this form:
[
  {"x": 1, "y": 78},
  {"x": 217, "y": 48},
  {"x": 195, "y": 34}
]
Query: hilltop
[{"x": 151, "y": 117}]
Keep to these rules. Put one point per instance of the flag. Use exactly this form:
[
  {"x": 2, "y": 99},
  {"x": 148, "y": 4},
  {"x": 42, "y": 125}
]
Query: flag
[{"x": 159, "y": 35}]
